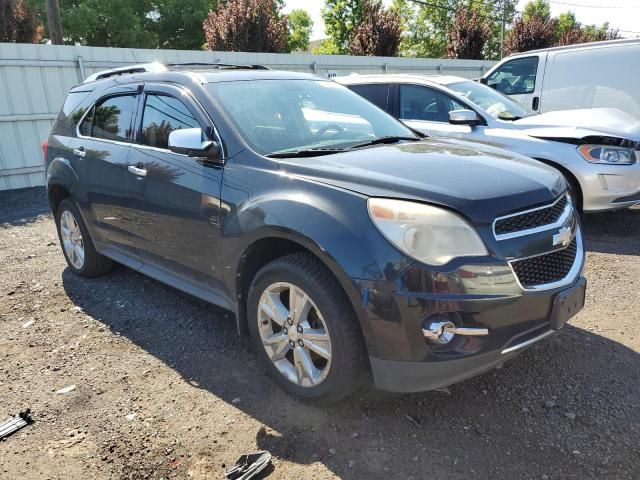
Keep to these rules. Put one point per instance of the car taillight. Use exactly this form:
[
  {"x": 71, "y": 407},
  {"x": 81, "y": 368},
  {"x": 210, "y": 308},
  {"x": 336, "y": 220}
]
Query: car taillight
[{"x": 45, "y": 146}]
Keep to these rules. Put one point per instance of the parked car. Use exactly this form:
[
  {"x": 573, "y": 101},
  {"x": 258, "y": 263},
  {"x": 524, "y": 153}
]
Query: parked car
[
  {"x": 588, "y": 75},
  {"x": 343, "y": 251},
  {"x": 597, "y": 150}
]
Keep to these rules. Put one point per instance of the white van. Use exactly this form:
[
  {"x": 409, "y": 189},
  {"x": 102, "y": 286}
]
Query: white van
[{"x": 588, "y": 75}]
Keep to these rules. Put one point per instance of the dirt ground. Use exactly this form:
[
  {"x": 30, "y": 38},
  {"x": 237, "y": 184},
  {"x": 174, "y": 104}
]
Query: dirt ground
[{"x": 164, "y": 388}]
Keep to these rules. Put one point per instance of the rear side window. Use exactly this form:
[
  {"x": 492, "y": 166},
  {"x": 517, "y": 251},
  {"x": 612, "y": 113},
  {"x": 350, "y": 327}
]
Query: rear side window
[
  {"x": 70, "y": 114},
  {"x": 377, "y": 94},
  {"x": 111, "y": 119},
  {"x": 162, "y": 115},
  {"x": 516, "y": 77}
]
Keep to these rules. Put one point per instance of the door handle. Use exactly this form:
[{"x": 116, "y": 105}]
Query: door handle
[
  {"x": 79, "y": 152},
  {"x": 535, "y": 103},
  {"x": 141, "y": 172}
]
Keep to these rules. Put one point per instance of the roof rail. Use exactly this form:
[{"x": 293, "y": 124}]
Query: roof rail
[
  {"x": 219, "y": 65},
  {"x": 128, "y": 70}
]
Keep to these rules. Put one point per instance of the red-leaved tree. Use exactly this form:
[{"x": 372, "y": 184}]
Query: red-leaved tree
[
  {"x": 468, "y": 35},
  {"x": 378, "y": 33},
  {"x": 19, "y": 22},
  {"x": 530, "y": 34},
  {"x": 246, "y": 26}
]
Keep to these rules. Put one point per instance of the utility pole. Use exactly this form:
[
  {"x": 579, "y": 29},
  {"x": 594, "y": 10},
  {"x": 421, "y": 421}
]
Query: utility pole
[
  {"x": 54, "y": 23},
  {"x": 504, "y": 8}
]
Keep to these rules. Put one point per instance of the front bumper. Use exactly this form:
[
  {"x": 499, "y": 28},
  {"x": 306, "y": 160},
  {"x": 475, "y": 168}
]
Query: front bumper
[
  {"x": 405, "y": 361},
  {"x": 608, "y": 187}
]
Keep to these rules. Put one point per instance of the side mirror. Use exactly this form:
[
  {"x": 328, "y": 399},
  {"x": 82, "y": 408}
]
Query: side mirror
[
  {"x": 483, "y": 80},
  {"x": 188, "y": 141},
  {"x": 464, "y": 117}
]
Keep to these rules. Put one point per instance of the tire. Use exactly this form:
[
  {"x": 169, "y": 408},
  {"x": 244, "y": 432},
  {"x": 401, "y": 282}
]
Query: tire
[
  {"x": 92, "y": 264},
  {"x": 328, "y": 313},
  {"x": 574, "y": 193}
]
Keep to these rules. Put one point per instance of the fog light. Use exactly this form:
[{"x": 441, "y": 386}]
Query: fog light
[{"x": 442, "y": 332}]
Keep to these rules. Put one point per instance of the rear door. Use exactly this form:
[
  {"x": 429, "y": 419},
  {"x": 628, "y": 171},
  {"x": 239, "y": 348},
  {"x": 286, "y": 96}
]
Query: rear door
[
  {"x": 177, "y": 198},
  {"x": 521, "y": 78},
  {"x": 376, "y": 93},
  {"x": 104, "y": 137}
]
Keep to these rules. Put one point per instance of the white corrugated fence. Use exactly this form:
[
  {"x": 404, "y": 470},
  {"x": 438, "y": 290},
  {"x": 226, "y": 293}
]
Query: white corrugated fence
[{"x": 34, "y": 80}]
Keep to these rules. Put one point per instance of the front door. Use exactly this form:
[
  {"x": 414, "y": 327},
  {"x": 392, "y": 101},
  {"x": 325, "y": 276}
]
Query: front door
[{"x": 177, "y": 198}]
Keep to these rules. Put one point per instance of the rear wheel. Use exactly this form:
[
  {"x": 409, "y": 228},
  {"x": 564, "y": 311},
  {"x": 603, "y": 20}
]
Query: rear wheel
[
  {"x": 304, "y": 329},
  {"x": 76, "y": 243}
]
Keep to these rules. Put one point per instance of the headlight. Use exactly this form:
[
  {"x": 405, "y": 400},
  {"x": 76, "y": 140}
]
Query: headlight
[
  {"x": 430, "y": 234},
  {"x": 610, "y": 155}
]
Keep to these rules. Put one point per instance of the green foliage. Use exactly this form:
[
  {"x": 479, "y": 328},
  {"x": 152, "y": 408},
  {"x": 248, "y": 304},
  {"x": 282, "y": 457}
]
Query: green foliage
[
  {"x": 178, "y": 23},
  {"x": 565, "y": 23},
  {"x": 537, "y": 8},
  {"x": 340, "y": 19},
  {"x": 426, "y": 27},
  {"x": 300, "y": 28}
]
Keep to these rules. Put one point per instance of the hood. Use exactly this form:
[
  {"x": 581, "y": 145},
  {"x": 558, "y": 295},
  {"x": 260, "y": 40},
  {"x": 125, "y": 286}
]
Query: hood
[
  {"x": 578, "y": 124},
  {"x": 479, "y": 183}
]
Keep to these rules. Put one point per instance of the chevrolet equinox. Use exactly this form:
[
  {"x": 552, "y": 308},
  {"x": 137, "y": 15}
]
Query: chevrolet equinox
[{"x": 348, "y": 247}]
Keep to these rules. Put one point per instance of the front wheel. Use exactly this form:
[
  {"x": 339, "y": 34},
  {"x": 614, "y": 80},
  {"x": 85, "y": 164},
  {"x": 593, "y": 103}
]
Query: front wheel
[{"x": 304, "y": 329}]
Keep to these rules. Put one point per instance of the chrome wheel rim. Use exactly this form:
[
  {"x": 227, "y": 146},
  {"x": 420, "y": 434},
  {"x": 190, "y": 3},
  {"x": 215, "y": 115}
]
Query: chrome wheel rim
[
  {"x": 72, "y": 241},
  {"x": 294, "y": 334}
]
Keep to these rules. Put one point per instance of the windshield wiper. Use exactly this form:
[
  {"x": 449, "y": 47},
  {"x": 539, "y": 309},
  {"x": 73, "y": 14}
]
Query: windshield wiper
[
  {"x": 385, "y": 140},
  {"x": 307, "y": 152}
]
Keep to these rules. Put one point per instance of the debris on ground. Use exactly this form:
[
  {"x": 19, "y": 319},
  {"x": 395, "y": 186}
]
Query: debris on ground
[
  {"x": 14, "y": 424},
  {"x": 249, "y": 466},
  {"x": 68, "y": 389},
  {"x": 413, "y": 420}
]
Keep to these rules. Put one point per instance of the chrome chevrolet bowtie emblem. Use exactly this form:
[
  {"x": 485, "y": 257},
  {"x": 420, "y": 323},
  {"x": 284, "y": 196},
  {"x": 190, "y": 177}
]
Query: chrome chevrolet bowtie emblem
[{"x": 563, "y": 237}]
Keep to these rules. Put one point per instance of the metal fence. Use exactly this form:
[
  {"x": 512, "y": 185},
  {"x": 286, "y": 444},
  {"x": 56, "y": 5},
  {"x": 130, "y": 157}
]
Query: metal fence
[{"x": 34, "y": 80}]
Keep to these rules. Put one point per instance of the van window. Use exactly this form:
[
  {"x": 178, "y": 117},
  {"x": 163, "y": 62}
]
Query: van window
[
  {"x": 111, "y": 119},
  {"x": 424, "y": 103},
  {"x": 515, "y": 77},
  {"x": 377, "y": 94},
  {"x": 162, "y": 115}
]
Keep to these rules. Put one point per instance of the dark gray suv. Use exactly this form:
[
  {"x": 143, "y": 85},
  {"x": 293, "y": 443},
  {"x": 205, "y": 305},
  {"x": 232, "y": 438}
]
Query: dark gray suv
[{"x": 347, "y": 246}]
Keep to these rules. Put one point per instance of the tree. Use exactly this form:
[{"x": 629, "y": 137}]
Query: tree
[
  {"x": 300, "y": 27},
  {"x": 340, "y": 19},
  {"x": 109, "y": 23},
  {"x": 378, "y": 33},
  {"x": 246, "y": 26},
  {"x": 178, "y": 23},
  {"x": 536, "y": 9},
  {"x": 529, "y": 35},
  {"x": 425, "y": 27},
  {"x": 468, "y": 35},
  {"x": 54, "y": 23},
  {"x": 20, "y": 22}
]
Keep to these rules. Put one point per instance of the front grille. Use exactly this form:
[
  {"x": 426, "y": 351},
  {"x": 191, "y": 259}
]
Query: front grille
[
  {"x": 533, "y": 219},
  {"x": 547, "y": 268}
]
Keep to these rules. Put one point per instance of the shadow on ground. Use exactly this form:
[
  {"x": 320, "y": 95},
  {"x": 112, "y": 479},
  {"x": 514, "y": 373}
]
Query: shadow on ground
[
  {"x": 616, "y": 232},
  {"x": 19, "y": 207},
  {"x": 495, "y": 425}
]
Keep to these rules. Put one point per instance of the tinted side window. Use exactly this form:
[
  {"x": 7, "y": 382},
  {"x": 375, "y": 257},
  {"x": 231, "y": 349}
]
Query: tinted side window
[
  {"x": 111, "y": 119},
  {"x": 162, "y": 115},
  {"x": 424, "y": 103},
  {"x": 516, "y": 77},
  {"x": 375, "y": 93}
]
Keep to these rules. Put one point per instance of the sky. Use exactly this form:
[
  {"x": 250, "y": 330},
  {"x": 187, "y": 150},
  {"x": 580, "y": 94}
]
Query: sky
[{"x": 621, "y": 14}]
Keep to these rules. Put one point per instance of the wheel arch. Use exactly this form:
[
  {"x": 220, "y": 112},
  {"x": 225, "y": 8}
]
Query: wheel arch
[
  {"x": 275, "y": 244},
  {"x": 569, "y": 176}
]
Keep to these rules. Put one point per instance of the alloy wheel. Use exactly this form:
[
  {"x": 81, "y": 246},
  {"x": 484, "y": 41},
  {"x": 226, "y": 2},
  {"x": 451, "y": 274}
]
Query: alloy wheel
[
  {"x": 72, "y": 241},
  {"x": 294, "y": 334}
]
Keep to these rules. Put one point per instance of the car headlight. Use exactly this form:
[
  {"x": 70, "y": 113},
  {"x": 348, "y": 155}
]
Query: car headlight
[
  {"x": 608, "y": 155},
  {"x": 430, "y": 234}
]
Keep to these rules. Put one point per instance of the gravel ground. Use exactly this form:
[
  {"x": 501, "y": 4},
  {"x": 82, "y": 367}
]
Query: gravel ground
[{"x": 164, "y": 388}]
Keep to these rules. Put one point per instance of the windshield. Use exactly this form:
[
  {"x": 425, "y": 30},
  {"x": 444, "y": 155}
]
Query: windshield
[
  {"x": 494, "y": 103},
  {"x": 276, "y": 116}
]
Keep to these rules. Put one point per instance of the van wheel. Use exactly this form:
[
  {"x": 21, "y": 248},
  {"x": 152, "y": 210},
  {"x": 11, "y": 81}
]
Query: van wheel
[
  {"x": 304, "y": 329},
  {"x": 77, "y": 246}
]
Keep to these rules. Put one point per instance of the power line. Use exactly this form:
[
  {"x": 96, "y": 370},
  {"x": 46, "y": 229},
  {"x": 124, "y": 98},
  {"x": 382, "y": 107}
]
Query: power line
[{"x": 582, "y": 5}]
